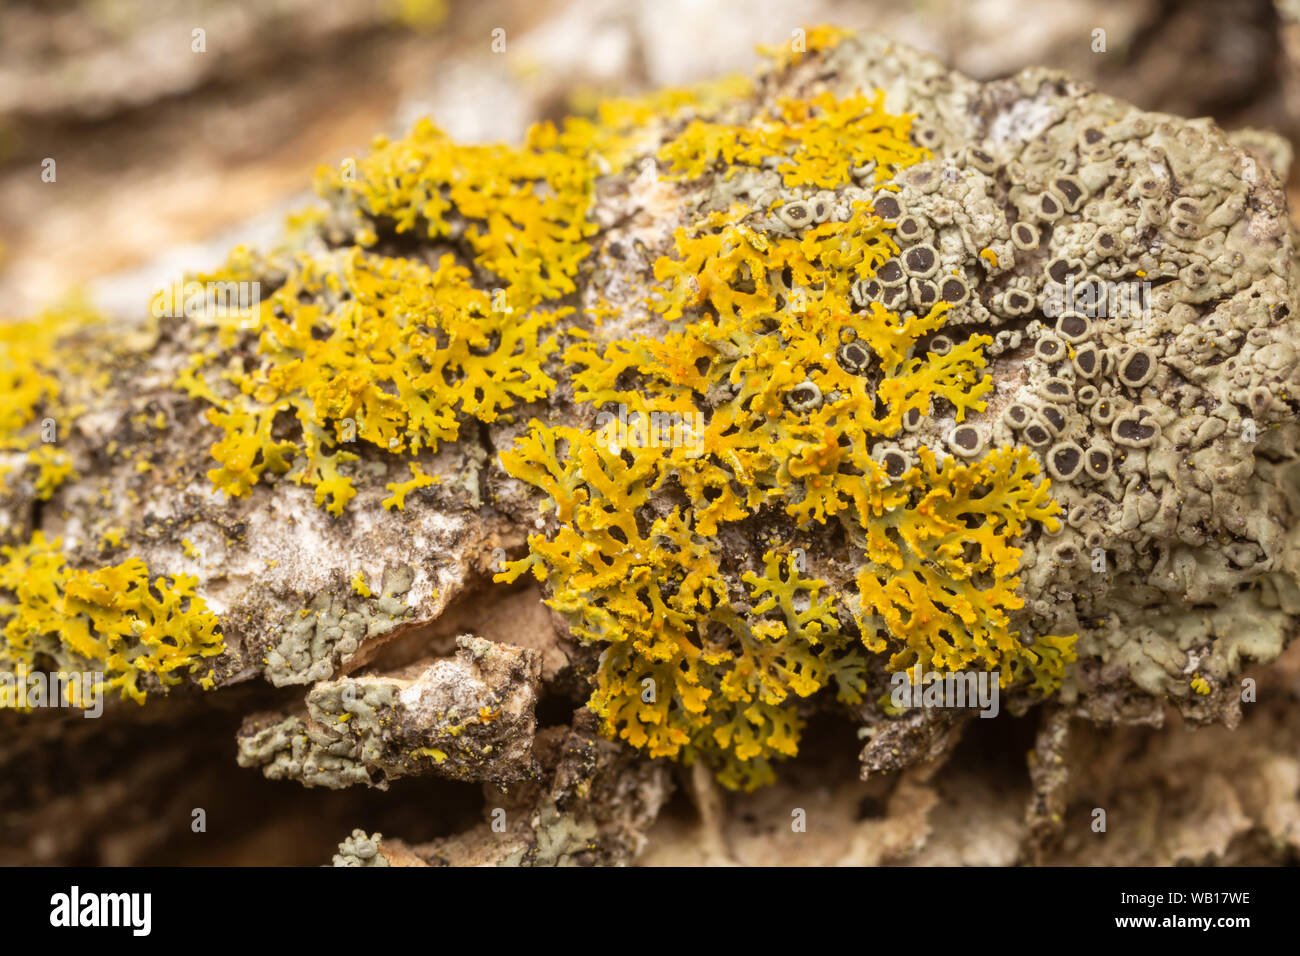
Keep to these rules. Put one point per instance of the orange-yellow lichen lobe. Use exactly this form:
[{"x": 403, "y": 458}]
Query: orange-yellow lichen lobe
[{"x": 114, "y": 620}]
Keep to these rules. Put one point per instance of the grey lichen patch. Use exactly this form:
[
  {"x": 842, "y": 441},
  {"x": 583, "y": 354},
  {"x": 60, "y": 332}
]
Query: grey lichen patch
[
  {"x": 295, "y": 749},
  {"x": 558, "y": 839},
  {"x": 333, "y": 626},
  {"x": 360, "y": 849},
  {"x": 470, "y": 717},
  {"x": 1135, "y": 275}
]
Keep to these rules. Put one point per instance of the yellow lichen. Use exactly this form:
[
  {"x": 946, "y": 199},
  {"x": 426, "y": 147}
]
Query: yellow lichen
[
  {"x": 813, "y": 142},
  {"x": 655, "y": 592},
  {"x": 363, "y": 348},
  {"x": 392, "y": 352},
  {"x": 720, "y": 257},
  {"x": 53, "y": 466},
  {"x": 750, "y": 410},
  {"x": 747, "y": 417},
  {"x": 622, "y": 127},
  {"x": 401, "y": 489},
  {"x": 33, "y": 407},
  {"x": 114, "y": 620},
  {"x": 525, "y": 208},
  {"x": 437, "y": 755}
]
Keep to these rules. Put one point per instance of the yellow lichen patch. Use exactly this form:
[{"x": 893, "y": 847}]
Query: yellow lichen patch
[
  {"x": 395, "y": 353},
  {"x": 26, "y": 381},
  {"x": 359, "y": 585},
  {"x": 769, "y": 401},
  {"x": 392, "y": 352},
  {"x": 522, "y": 210},
  {"x": 362, "y": 348},
  {"x": 685, "y": 673},
  {"x": 623, "y": 126},
  {"x": 53, "y": 466},
  {"x": 719, "y": 259},
  {"x": 814, "y": 142},
  {"x": 401, "y": 489},
  {"x": 115, "y": 620},
  {"x": 438, "y": 756},
  {"x": 525, "y": 208},
  {"x": 804, "y": 41},
  {"x": 940, "y": 572},
  {"x": 33, "y": 410}
]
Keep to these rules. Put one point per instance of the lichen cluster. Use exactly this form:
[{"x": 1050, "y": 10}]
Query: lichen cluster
[
  {"x": 781, "y": 364},
  {"x": 115, "y": 621},
  {"x": 139, "y": 634},
  {"x": 469, "y": 718},
  {"x": 799, "y": 385},
  {"x": 798, "y": 398},
  {"x": 360, "y": 346},
  {"x": 521, "y": 211},
  {"x": 32, "y": 400},
  {"x": 387, "y": 351},
  {"x": 797, "y": 395}
]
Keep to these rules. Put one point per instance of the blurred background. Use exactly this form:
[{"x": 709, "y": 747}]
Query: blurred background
[{"x": 181, "y": 127}]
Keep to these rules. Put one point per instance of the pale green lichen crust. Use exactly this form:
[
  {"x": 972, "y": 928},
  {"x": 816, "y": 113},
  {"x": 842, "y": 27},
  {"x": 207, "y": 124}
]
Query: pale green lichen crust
[
  {"x": 360, "y": 849},
  {"x": 333, "y": 627}
]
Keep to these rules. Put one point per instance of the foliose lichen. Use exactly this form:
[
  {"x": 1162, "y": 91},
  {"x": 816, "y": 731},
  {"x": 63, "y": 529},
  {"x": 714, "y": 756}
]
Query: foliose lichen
[
  {"x": 139, "y": 633},
  {"x": 33, "y": 402},
  {"x": 772, "y": 398},
  {"x": 360, "y": 849}
]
